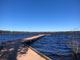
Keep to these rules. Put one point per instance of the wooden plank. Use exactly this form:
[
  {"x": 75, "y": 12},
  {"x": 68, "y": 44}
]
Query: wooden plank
[
  {"x": 16, "y": 50},
  {"x": 32, "y": 54}
]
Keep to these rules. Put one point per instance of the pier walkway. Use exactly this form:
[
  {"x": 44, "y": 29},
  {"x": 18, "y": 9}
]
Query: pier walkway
[{"x": 20, "y": 50}]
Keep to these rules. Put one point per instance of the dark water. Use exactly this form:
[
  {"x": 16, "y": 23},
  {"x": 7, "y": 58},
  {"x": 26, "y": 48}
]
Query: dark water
[
  {"x": 10, "y": 37},
  {"x": 57, "y": 46}
]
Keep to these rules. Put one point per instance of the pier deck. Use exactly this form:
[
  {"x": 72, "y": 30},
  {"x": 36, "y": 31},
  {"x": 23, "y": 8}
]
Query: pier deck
[{"x": 19, "y": 50}]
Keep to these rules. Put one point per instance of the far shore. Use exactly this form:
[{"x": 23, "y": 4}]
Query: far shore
[{"x": 5, "y": 31}]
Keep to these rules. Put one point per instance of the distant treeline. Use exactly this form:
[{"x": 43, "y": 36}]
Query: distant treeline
[
  {"x": 67, "y": 32},
  {"x": 2, "y": 31}
]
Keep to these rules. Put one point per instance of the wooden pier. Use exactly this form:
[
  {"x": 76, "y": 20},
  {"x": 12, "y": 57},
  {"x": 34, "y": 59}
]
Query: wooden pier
[{"x": 20, "y": 50}]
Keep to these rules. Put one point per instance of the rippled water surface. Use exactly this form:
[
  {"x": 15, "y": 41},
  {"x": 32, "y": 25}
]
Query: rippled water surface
[
  {"x": 57, "y": 46},
  {"x": 10, "y": 37}
]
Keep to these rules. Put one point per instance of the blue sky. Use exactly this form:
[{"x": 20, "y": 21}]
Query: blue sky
[{"x": 40, "y": 15}]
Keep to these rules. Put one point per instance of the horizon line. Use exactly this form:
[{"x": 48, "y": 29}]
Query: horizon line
[{"x": 39, "y": 31}]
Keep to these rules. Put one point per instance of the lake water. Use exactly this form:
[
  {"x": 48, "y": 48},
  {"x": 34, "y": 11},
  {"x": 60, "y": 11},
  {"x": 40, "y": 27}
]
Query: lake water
[
  {"x": 57, "y": 46},
  {"x": 10, "y": 37}
]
